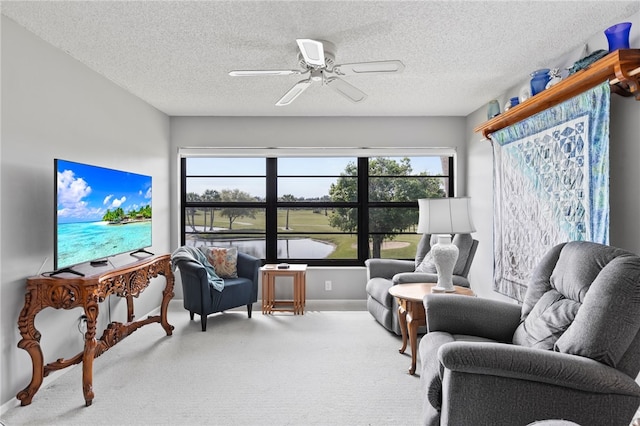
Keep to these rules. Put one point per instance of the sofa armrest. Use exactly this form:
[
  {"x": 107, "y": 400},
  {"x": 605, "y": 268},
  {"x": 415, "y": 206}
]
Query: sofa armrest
[
  {"x": 248, "y": 266},
  {"x": 491, "y": 319},
  {"x": 195, "y": 286},
  {"x": 426, "y": 277},
  {"x": 387, "y": 268},
  {"x": 193, "y": 274},
  {"x": 414, "y": 277},
  {"x": 537, "y": 365}
]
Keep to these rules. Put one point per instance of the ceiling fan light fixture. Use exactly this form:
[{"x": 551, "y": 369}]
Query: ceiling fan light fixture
[
  {"x": 316, "y": 75},
  {"x": 312, "y": 51}
]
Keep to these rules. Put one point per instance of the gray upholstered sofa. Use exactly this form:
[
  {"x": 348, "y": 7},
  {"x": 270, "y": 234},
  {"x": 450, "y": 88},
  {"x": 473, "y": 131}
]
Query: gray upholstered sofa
[
  {"x": 571, "y": 351},
  {"x": 384, "y": 273}
]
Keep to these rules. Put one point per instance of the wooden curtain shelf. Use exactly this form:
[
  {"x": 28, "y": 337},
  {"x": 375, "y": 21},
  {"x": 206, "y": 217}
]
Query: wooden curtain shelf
[{"x": 621, "y": 68}]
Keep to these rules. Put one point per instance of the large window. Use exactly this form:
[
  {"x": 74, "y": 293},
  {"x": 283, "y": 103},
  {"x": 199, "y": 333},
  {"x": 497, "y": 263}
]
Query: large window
[{"x": 317, "y": 210}]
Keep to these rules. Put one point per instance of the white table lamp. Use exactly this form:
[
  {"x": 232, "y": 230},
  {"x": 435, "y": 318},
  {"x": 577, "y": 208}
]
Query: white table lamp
[{"x": 445, "y": 216}]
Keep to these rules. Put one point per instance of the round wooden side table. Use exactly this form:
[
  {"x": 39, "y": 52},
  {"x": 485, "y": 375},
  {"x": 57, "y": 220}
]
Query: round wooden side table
[{"x": 411, "y": 313}]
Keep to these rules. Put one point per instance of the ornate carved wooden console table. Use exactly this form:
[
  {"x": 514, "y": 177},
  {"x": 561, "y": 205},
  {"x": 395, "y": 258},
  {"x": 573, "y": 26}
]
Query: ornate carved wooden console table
[{"x": 87, "y": 292}]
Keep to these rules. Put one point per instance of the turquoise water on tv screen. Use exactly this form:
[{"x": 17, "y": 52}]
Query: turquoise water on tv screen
[{"x": 85, "y": 241}]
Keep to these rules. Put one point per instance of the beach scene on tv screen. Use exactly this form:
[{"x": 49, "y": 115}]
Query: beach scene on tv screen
[{"x": 101, "y": 212}]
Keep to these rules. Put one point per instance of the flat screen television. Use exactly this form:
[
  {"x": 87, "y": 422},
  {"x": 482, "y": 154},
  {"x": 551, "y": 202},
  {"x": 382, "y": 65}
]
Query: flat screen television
[{"x": 99, "y": 213}]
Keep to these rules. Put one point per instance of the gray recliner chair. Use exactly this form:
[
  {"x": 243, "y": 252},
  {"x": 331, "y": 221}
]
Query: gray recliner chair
[
  {"x": 384, "y": 273},
  {"x": 571, "y": 351}
]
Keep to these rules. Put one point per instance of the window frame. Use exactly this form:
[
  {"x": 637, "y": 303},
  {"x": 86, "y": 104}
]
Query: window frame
[{"x": 271, "y": 204}]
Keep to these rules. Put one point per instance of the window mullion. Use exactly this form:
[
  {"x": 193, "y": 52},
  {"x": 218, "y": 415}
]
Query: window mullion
[
  {"x": 363, "y": 209},
  {"x": 451, "y": 182},
  {"x": 183, "y": 199},
  {"x": 271, "y": 213}
]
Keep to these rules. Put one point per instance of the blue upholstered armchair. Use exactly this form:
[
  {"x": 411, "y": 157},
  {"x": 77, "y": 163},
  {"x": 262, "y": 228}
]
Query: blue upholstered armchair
[
  {"x": 200, "y": 296},
  {"x": 571, "y": 351}
]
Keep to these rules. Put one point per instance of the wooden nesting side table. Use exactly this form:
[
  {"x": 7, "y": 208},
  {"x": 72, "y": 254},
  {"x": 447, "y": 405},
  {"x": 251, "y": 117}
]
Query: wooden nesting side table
[
  {"x": 269, "y": 302},
  {"x": 411, "y": 313}
]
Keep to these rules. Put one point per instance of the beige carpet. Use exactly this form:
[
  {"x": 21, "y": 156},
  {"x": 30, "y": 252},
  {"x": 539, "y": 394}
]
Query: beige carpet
[{"x": 322, "y": 368}]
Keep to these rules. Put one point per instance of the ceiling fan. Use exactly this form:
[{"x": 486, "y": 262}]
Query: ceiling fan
[{"x": 316, "y": 57}]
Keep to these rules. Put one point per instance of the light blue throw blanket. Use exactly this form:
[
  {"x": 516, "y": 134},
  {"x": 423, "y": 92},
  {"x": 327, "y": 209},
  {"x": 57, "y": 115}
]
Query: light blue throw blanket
[{"x": 190, "y": 254}]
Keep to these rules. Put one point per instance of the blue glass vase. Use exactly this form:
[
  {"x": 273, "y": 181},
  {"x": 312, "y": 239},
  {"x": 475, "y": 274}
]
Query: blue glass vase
[
  {"x": 618, "y": 36},
  {"x": 539, "y": 80}
]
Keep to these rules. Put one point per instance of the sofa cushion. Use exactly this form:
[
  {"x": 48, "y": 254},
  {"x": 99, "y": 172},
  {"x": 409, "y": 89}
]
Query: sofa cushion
[
  {"x": 427, "y": 265},
  {"x": 462, "y": 241},
  {"x": 599, "y": 332},
  {"x": 546, "y": 322},
  {"x": 581, "y": 300},
  {"x": 223, "y": 259},
  {"x": 424, "y": 245}
]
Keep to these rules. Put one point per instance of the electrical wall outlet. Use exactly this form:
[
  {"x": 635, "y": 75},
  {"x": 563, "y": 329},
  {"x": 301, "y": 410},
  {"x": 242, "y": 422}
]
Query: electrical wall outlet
[
  {"x": 82, "y": 324},
  {"x": 327, "y": 285}
]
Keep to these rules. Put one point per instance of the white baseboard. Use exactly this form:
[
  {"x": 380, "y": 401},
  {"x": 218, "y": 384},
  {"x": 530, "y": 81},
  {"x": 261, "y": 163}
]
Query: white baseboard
[{"x": 324, "y": 305}]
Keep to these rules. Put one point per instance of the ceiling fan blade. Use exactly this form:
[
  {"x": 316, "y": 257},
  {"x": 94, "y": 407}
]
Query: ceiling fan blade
[
  {"x": 312, "y": 51},
  {"x": 346, "y": 89},
  {"x": 253, "y": 73},
  {"x": 294, "y": 92},
  {"x": 377, "y": 67}
]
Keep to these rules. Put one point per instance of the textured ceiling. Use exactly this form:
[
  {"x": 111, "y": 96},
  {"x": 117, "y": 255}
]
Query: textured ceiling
[{"x": 175, "y": 55}]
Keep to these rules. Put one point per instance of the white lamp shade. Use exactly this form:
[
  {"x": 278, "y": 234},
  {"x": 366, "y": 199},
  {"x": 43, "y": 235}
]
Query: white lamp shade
[{"x": 445, "y": 216}]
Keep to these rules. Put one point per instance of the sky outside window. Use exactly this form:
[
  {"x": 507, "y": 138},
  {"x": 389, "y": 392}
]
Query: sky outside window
[{"x": 299, "y": 187}]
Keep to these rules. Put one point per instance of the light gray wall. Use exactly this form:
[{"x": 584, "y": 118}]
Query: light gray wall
[
  {"x": 625, "y": 173},
  {"x": 624, "y": 158},
  {"x": 327, "y": 132},
  {"x": 54, "y": 107}
]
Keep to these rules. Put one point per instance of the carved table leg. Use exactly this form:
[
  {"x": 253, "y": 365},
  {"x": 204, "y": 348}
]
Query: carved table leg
[
  {"x": 130, "y": 314},
  {"x": 30, "y": 342},
  {"x": 402, "y": 319},
  {"x": 167, "y": 295},
  {"x": 90, "y": 343},
  {"x": 32, "y": 346}
]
